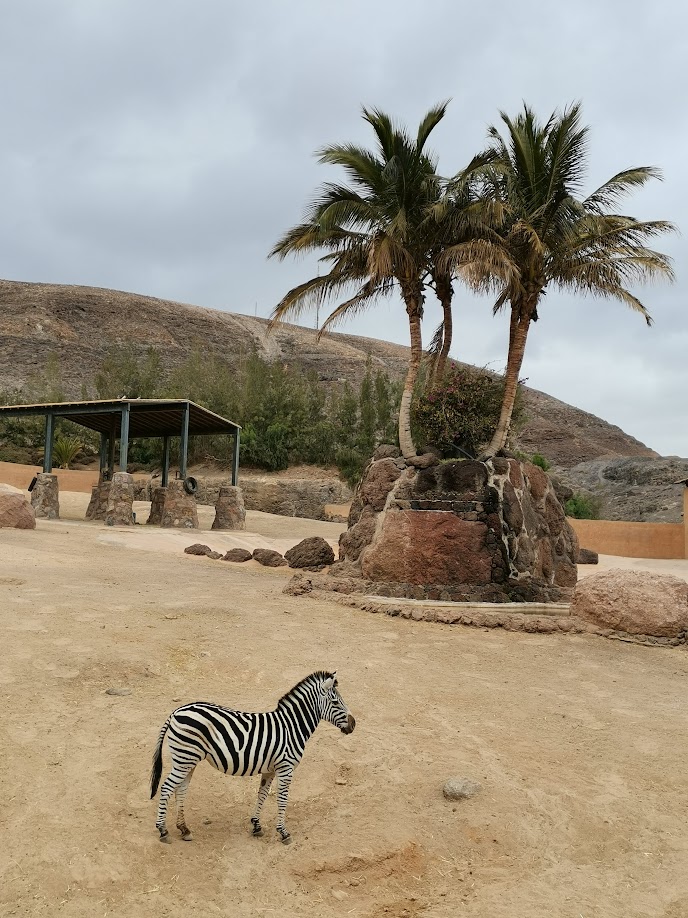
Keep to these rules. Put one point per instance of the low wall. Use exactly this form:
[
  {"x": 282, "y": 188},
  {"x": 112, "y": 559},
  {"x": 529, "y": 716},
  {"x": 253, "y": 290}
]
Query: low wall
[
  {"x": 19, "y": 476},
  {"x": 632, "y": 540}
]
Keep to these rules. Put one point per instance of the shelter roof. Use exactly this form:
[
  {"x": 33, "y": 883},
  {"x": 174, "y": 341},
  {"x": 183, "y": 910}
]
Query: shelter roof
[{"x": 148, "y": 417}]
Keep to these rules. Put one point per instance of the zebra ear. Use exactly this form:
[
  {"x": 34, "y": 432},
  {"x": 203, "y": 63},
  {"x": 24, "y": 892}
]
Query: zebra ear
[{"x": 328, "y": 683}]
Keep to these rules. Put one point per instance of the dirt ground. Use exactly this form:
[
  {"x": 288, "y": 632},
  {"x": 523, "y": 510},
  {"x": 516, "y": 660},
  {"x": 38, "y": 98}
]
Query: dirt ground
[{"x": 580, "y": 745}]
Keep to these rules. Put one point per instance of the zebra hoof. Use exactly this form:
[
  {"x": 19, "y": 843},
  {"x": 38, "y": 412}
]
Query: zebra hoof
[
  {"x": 286, "y": 839},
  {"x": 165, "y": 839},
  {"x": 187, "y": 836},
  {"x": 257, "y": 832}
]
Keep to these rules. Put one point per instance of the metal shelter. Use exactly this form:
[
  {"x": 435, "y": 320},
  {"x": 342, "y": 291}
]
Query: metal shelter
[{"x": 124, "y": 419}]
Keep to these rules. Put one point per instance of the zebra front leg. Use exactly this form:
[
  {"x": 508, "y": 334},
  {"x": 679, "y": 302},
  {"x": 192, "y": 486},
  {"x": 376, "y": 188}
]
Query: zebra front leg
[
  {"x": 180, "y": 794},
  {"x": 170, "y": 785},
  {"x": 265, "y": 782},
  {"x": 283, "y": 782}
]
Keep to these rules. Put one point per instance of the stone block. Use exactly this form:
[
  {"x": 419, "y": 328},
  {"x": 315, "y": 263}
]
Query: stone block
[
  {"x": 179, "y": 508},
  {"x": 120, "y": 505},
  {"x": 229, "y": 509},
  {"x": 45, "y": 497}
]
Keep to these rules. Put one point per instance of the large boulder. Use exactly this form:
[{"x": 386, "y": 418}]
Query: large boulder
[
  {"x": 311, "y": 552},
  {"x": 636, "y": 602},
  {"x": 15, "y": 511}
]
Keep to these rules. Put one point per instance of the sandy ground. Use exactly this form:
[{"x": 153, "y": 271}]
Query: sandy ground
[{"x": 580, "y": 745}]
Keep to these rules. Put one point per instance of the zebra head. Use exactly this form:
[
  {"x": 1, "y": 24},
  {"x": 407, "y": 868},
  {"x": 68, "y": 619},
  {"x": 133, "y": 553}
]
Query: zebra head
[{"x": 333, "y": 708}]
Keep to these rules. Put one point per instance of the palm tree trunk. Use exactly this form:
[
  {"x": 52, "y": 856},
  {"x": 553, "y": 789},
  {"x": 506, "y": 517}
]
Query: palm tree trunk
[
  {"x": 444, "y": 294},
  {"x": 408, "y": 448},
  {"x": 518, "y": 334}
]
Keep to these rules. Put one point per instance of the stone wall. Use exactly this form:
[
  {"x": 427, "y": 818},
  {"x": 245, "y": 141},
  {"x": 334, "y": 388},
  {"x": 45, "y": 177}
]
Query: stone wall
[{"x": 460, "y": 531}]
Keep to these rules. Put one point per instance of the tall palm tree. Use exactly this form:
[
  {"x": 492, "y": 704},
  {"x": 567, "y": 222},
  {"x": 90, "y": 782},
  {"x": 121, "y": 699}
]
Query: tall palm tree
[
  {"x": 556, "y": 238},
  {"x": 377, "y": 233}
]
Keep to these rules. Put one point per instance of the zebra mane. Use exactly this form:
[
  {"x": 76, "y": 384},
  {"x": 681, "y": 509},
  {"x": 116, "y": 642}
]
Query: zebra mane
[{"x": 318, "y": 676}]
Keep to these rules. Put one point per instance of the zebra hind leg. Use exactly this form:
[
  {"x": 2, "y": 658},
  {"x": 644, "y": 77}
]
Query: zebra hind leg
[
  {"x": 265, "y": 782},
  {"x": 283, "y": 782},
  {"x": 170, "y": 785},
  {"x": 180, "y": 794}
]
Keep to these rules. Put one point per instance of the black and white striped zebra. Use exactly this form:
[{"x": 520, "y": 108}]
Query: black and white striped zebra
[{"x": 238, "y": 743}]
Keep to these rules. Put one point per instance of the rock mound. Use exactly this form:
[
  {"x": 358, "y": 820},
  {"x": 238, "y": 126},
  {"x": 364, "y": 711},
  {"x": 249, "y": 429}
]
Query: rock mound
[
  {"x": 268, "y": 558},
  {"x": 238, "y": 555},
  {"x": 635, "y": 602},
  {"x": 461, "y": 531}
]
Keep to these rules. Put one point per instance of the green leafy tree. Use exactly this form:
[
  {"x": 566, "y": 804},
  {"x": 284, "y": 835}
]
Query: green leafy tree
[
  {"x": 126, "y": 373},
  {"x": 556, "y": 238}
]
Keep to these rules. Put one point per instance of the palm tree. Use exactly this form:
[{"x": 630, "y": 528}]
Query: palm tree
[
  {"x": 377, "y": 233},
  {"x": 555, "y": 238}
]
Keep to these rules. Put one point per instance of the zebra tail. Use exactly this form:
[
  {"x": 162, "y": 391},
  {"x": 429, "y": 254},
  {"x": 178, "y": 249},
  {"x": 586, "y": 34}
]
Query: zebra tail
[{"x": 156, "y": 771}]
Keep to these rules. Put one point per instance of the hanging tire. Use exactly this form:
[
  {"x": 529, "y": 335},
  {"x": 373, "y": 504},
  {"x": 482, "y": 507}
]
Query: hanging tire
[{"x": 190, "y": 485}]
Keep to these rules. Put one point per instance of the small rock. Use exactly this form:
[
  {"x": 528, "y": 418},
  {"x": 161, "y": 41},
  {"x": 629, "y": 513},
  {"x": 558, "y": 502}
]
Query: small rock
[
  {"x": 118, "y": 691},
  {"x": 309, "y": 553},
  {"x": 586, "y": 556},
  {"x": 207, "y": 822},
  {"x": 340, "y": 780},
  {"x": 197, "y": 549},
  {"x": 205, "y": 653},
  {"x": 269, "y": 558},
  {"x": 237, "y": 555},
  {"x": 214, "y": 555},
  {"x": 460, "y": 788}
]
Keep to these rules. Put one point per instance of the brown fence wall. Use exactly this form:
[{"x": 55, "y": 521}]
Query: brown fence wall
[
  {"x": 12, "y": 473},
  {"x": 632, "y": 540}
]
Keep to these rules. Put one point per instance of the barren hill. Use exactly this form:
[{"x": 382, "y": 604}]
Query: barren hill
[{"x": 80, "y": 325}]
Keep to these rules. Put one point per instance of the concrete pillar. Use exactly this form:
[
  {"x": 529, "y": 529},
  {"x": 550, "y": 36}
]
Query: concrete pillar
[
  {"x": 157, "y": 506},
  {"x": 179, "y": 510},
  {"x": 45, "y": 497},
  {"x": 229, "y": 509},
  {"x": 120, "y": 505}
]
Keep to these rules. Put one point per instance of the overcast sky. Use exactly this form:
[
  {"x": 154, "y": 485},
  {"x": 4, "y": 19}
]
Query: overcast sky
[{"x": 161, "y": 147}]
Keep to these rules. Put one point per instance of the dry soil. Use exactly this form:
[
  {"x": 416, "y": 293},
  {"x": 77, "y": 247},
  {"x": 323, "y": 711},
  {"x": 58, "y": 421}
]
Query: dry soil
[{"x": 580, "y": 745}]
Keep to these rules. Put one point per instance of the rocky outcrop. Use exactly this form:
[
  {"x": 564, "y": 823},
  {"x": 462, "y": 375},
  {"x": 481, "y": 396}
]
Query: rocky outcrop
[
  {"x": 586, "y": 556},
  {"x": 229, "y": 509},
  {"x": 198, "y": 548},
  {"x": 460, "y": 531},
  {"x": 634, "y": 602},
  {"x": 640, "y": 489},
  {"x": 15, "y": 511},
  {"x": 312, "y": 553},
  {"x": 45, "y": 497}
]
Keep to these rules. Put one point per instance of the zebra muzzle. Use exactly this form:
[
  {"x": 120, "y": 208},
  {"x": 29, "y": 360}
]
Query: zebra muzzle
[{"x": 350, "y": 724}]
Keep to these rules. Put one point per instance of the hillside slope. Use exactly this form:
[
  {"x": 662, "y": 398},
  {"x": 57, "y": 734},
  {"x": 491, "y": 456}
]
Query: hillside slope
[{"x": 80, "y": 325}]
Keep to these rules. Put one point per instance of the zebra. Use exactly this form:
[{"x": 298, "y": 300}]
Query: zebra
[{"x": 239, "y": 743}]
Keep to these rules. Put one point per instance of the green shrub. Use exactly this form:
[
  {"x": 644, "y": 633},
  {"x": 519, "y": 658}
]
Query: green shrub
[
  {"x": 65, "y": 451},
  {"x": 459, "y": 415},
  {"x": 583, "y": 507},
  {"x": 539, "y": 460}
]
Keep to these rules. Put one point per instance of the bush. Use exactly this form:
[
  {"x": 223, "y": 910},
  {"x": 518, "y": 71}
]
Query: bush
[
  {"x": 459, "y": 415},
  {"x": 539, "y": 460},
  {"x": 583, "y": 507},
  {"x": 65, "y": 451}
]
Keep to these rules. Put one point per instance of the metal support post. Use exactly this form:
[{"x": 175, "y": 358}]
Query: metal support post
[
  {"x": 124, "y": 437},
  {"x": 184, "y": 444},
  {"x": 48, "y": 451},
  {"x": 235, "y": 459},
  {"x": 165, "y": 460}
]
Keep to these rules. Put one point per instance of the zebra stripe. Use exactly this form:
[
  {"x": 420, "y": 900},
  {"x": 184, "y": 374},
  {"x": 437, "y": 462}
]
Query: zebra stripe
[{"x": 268, "y": 743}]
